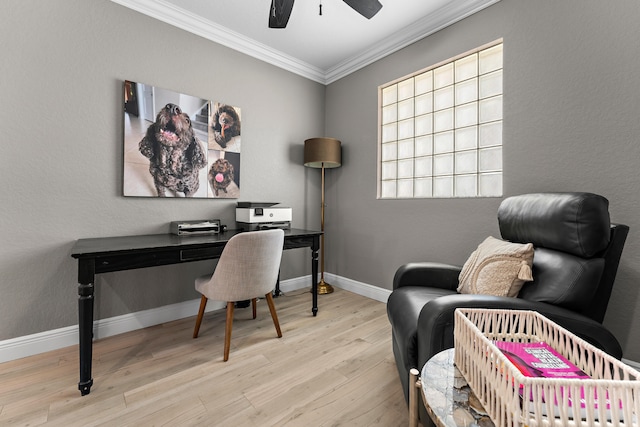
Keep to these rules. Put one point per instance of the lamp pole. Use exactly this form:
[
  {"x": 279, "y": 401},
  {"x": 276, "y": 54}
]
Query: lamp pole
[{"x": 323, "y": 287}]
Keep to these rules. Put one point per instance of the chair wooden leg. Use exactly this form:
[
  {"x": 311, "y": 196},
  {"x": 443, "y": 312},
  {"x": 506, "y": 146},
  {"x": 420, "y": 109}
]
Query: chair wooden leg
[
  {"x": 274, "y": 315},
  {"x": 253, "y": 305},
  {"x": 203, "y": 304},
  {"x": 227, "y": 331}
]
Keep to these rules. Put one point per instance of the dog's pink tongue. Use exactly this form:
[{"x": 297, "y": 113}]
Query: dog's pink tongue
[
  {"x": 169, "y": 135},
  {"x": 219, "y": 177}
]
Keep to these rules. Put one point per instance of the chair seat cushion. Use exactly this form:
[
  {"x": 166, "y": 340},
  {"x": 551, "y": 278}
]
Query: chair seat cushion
[{"x": 403, "y": 309}]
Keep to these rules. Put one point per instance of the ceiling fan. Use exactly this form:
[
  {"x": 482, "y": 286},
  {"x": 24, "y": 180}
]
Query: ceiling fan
[{"x": 281, "y": 10}]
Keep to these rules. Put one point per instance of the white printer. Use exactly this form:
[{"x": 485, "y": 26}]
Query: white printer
[{"x": 252, "y": 216}]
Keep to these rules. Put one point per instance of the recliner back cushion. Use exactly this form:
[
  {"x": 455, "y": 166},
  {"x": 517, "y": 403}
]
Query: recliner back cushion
[
  {"x": 576, "y": 223},
  {"x": 562, "y": 279}
]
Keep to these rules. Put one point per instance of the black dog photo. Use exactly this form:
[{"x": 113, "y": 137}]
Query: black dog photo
[
  {"x": 224, "y": 128},
  {"x": 224, "y": 174},
  {"x": 175, "y": 154}
]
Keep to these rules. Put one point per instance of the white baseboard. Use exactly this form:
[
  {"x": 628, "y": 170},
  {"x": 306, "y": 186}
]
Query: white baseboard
[
  {"x": 29, "y": 345},
  {"x": 359, "y": 288}
]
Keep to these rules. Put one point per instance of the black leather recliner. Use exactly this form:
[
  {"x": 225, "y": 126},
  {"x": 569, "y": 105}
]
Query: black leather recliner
[{"x": 576, "y": 255}]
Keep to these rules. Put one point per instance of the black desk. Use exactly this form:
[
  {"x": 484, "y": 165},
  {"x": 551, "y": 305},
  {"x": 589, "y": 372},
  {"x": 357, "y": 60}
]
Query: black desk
[{"x": 107, "y": 254}]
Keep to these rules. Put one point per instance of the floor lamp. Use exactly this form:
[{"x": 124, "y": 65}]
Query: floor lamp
[{"x": 322, "y": 153}]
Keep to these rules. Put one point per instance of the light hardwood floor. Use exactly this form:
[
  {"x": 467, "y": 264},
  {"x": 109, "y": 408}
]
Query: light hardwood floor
[{"x": 336, "y": 369}]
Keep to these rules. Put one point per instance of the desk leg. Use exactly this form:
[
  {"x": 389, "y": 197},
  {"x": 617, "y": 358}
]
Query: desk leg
[
  {"x": 86, "y": 277},
  {"x": 314, "y": 274}
]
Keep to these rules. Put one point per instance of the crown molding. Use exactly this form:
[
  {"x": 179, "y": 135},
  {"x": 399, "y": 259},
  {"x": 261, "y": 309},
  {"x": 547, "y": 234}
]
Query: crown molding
[
  {"x": 172, "y": 15},
  {"x": 444, "y": 17},
  {"x": 180, "y": 18}
]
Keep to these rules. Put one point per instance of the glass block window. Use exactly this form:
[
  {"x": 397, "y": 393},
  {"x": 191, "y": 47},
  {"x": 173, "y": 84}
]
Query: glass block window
[{"x": 440, "y": 129}]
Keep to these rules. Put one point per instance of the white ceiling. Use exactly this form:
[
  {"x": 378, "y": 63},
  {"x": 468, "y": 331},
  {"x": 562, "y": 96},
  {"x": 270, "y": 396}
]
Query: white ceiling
[{"x": 322, "y": 48}]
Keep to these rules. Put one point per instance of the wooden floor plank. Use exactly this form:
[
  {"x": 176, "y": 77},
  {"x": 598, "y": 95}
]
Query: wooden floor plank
[{"x": 336, "y": 369}]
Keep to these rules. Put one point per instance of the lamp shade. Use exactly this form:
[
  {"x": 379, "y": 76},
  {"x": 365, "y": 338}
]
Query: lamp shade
[{"x": 319, "y": 152}]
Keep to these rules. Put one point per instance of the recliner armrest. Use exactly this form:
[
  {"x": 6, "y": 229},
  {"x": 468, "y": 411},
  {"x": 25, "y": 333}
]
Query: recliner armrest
[
  {"x": 436, "y": 320},
  {"x": 427, "y": 274}
]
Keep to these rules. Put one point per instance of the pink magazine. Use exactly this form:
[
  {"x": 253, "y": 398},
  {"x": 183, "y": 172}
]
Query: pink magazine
[{"x": 538, "y": 359}]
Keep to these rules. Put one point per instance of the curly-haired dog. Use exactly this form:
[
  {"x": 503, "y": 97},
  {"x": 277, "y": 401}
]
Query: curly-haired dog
[
  {"x": 174, "y": 152},
  {"x": 221, "y": 175},
  {"x": 225, "y": 124}
]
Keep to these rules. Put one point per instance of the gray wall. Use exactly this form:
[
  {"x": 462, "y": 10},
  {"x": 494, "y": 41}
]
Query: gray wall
[
  {"x": 571, "y": 122},
  {"x": 61, "y": 84}
]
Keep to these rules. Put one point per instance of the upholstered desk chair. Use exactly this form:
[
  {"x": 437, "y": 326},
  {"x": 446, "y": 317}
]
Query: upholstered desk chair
[{"x": 247, "y": 269}]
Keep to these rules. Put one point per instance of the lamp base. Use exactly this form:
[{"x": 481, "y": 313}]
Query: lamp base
[{"x": 324, "y": 288}]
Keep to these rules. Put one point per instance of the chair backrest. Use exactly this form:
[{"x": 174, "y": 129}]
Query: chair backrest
[
  {"x": 577, "y": 249},
  {"x": 249, "y": 265}
]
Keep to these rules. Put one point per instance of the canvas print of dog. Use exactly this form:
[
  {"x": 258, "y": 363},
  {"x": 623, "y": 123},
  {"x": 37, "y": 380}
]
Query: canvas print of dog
[
  {"x": 175, "y": 154},
  {"x": 225, "y": 127},
  {"x": 221, "y": 175}
]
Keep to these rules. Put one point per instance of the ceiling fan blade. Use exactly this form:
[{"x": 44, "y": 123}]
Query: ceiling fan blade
[
  {"x": 279, "y": 13},
  {"x": 366, "y": 8}
]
